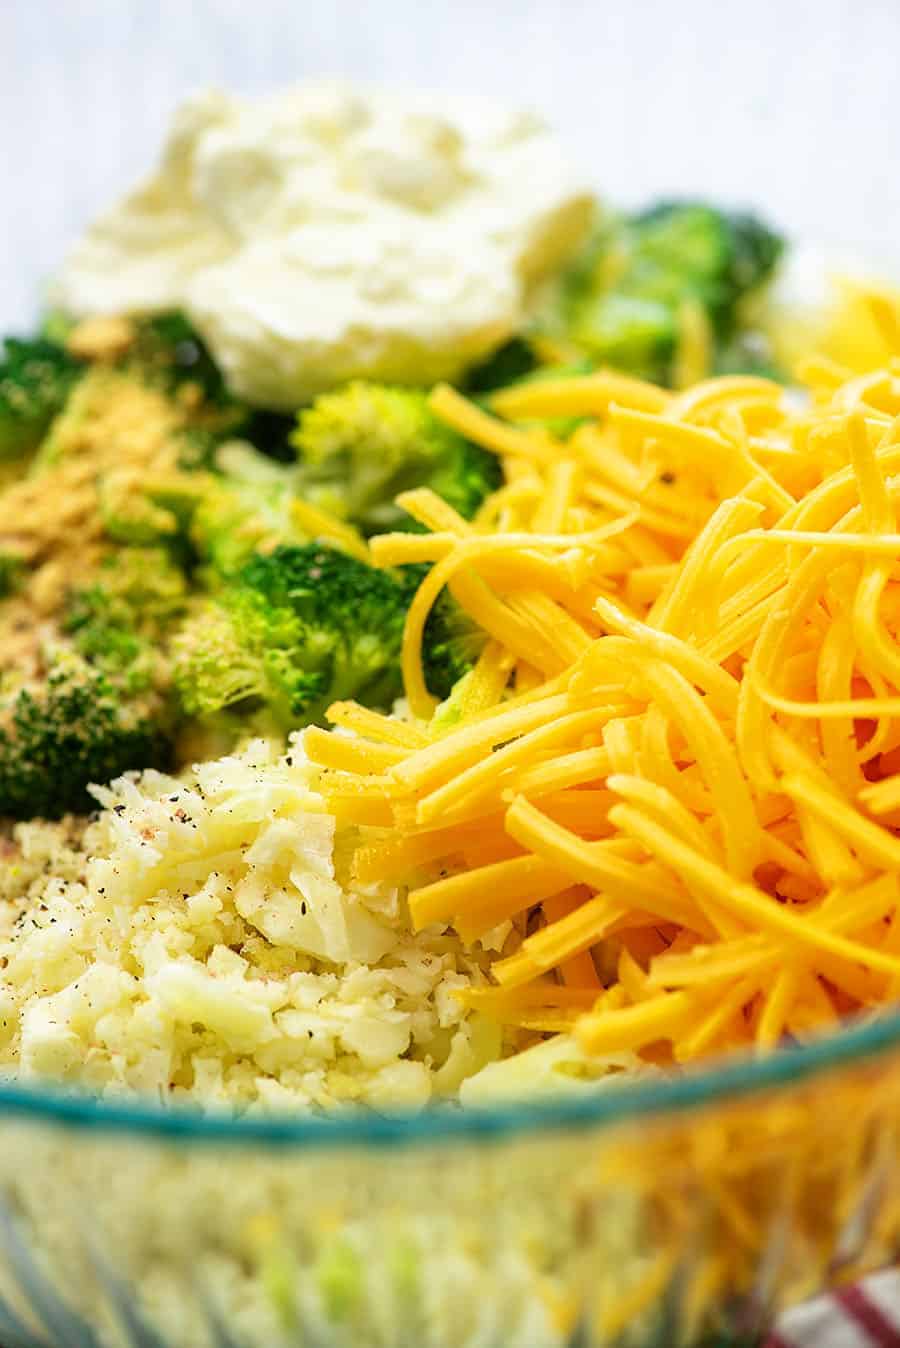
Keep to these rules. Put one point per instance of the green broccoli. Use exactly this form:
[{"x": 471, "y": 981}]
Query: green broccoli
[
  {"x": 169, "y": 348},
  {"x": 451, "y": 641},
  {"x": 36, "y": 377},
  {"x": 56, "y": 326},
  {"x": 294, "y": 630},
  {"x": 691, "y": 248},
  {"x": 12, "y": 569},
  {"x": 351, "y": 617},
  {"x": 270, "y": 433},
  {"x": 621, "y": 303},
  {"x": 169, "y": 354},
  {"x": 304, "y": 626},
  {"x": 509, "y": 363},
  {"x": 106, "y": 636},
  {"x": 152, "y": 513},
  {"x": 239, "y": 653},
  {"x": 356, "y": 614},
  {"x": 365, "y": 443},
  {"x": 96, "y": 700},
  {"x": 245, "y": 508},
  {"x": 119, "y": 621},
  {"x": 73, "y": 730}
]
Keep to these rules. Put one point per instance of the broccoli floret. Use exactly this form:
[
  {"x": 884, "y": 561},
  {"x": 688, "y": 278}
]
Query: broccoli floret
[
  {"x": 56, "y": 326},
  {"x": 74, "y": 730},
  {"x": 304, "y": 626},
  {"x": 170, "y": 354},
  {"x": 106, "y": 636},
  {"x": 169, "y": 349},
  {"x": 12, "y": 569},
  {"x": 270, "y": 433},
  {"x": 152, "y": 513},
  {"x": 363, "y": 444},
  {"x": 451, "y": 641},
  {"x": 168, "y": 346},
  {"x": 293, "y": 631},
  {"x": 245, "y": 508},
  {"x": 91, "y": 698},
  {"x": 36, "y": 377},
  {"x": 689, "y": 248},
  {"x": 240, "y": 652},
  {"x": 119, "y": 622},
  {"x": 351, "y": 615},
  {"x": 213, "y": 667},
  {"x": 506, "y": 365},
  {"x": 621, "y": 303}
]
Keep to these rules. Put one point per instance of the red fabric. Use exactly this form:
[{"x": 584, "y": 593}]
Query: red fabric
[
  {"x": 867, "y": 1316},
  {"x": 875, "y": 1324}
]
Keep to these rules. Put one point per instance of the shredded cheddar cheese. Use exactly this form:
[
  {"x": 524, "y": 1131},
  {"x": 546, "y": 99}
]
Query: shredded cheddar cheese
[{"x": 675, "y": 767}]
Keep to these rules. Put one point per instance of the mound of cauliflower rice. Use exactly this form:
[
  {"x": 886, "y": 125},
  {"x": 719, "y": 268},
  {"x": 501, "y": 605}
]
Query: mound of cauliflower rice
[{"x": 201, "y": 940}]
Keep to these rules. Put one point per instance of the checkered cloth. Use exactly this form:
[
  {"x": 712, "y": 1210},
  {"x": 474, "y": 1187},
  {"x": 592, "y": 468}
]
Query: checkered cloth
[{"x": 867, "y": 1316}]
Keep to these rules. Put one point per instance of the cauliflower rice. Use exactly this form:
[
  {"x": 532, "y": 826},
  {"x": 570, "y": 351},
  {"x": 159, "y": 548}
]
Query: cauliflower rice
[{"x": 201, "y": 941}]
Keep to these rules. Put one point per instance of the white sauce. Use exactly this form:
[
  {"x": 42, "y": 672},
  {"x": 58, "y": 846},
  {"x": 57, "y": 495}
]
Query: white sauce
[{"x": 326, "y": 233}]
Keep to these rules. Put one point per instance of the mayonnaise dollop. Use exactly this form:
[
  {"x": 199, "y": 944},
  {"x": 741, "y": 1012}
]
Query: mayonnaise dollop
[{"x": 327, "y": 233}]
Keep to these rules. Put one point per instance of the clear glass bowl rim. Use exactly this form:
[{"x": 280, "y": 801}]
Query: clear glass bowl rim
[{"x": 855, "y": 1042}]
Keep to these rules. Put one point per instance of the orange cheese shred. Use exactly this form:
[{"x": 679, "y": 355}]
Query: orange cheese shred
[{"x": 672, "y": 778}]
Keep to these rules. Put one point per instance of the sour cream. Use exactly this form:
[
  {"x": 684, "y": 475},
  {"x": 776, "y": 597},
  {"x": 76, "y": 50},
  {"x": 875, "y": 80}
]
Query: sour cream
[{"x": 326, "y": 233}]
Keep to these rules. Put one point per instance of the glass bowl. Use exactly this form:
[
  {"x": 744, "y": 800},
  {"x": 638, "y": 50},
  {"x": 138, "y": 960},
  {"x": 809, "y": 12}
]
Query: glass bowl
[{"x": 682, "y": 1210}]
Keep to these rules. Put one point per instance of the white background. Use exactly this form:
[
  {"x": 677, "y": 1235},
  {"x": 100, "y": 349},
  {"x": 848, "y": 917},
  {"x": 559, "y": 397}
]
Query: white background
[{"x": 792, "y": 104}]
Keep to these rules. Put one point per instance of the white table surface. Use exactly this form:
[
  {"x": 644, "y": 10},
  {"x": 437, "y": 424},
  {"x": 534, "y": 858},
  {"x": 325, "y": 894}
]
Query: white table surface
[{"x": 793, "y": 104}]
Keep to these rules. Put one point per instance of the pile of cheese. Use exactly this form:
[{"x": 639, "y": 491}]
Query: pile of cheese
[{"x": 679, "y": 754}]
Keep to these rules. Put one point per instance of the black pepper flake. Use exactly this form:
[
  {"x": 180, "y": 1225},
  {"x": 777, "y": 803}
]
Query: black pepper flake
[{"x": 668, "y": 478}]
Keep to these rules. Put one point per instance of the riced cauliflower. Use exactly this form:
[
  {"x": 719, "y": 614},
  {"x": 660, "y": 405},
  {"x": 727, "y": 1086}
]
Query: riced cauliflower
[{"x": 203, "y": 941}]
